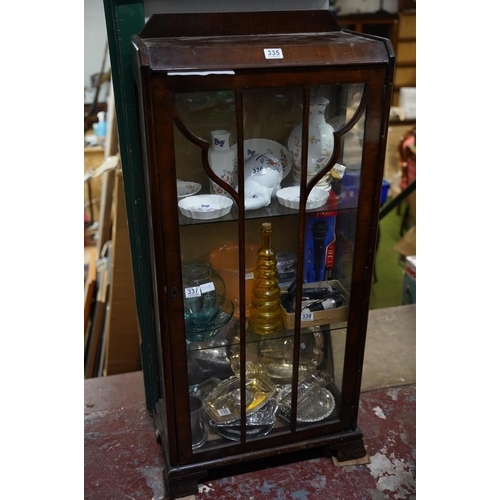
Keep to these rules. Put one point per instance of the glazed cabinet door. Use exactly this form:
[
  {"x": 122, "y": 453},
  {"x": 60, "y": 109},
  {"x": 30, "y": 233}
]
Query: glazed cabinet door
[{"x": 263, "y": 248}]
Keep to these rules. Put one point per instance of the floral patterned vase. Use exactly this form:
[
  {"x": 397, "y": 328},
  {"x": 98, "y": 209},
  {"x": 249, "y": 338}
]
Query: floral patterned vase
[
  {"x": 320, "y": 147},
  {"x": 222, "y": 160}
]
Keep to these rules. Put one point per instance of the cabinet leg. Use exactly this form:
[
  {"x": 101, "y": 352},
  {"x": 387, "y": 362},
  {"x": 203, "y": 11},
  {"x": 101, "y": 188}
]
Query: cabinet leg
[
  {"x": 183, "y": 486},
  {"x": 348, "y": 450}
]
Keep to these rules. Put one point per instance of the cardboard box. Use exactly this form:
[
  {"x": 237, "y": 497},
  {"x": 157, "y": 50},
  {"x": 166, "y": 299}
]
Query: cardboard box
[
  {"x": 407, "y": 245},
  {"x": 317, "y": 318}
]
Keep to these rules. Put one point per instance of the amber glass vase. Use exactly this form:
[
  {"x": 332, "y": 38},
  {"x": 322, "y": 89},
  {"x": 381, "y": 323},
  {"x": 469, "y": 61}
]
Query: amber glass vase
[{"x": 265, "y": 312}]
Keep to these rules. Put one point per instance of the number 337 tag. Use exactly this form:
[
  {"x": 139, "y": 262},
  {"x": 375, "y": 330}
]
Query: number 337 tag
[{"x": 273, "y": 53}]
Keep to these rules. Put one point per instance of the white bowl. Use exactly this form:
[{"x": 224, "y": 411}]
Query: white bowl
[
  {"x": 186, "y": 188},
  {"x": 260, "y": 146},
  {"x": 205, "y": 206},
  {"x": 290, "y": 197}
]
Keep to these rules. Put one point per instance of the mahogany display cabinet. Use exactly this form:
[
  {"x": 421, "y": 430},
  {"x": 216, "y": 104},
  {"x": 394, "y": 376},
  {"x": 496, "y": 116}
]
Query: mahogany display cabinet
[{"x": 237, "y": 207}]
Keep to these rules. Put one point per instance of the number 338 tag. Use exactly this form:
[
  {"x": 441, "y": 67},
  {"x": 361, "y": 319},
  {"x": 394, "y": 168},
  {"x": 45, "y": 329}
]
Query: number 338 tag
[{"x": 273, "y": 53}]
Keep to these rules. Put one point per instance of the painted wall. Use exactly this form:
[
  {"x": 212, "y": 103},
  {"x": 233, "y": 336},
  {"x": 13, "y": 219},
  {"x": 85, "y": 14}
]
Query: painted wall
[
  {"x": 95, "y": 37},
  {"x": 175, "y": 6}
]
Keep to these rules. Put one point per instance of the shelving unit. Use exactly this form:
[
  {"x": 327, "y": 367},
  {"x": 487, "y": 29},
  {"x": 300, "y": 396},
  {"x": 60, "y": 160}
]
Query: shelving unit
[
  {"x": 406, "y": 53},
  {"x": 400, "y": 29}
]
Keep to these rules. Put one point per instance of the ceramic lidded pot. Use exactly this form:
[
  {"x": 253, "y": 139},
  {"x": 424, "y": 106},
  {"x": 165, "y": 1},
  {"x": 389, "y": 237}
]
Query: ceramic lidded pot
[
  {"x": 266, "y": 170},
  {"x": 256, "y": 196},
  {"x": 320, "y": 143},
  {"x": 222, "y": 160}
]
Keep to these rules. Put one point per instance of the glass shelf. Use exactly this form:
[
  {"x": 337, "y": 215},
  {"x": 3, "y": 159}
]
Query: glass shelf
[
  {"x": 347, "y": 201},
  {"x": 227, "y": 338}
]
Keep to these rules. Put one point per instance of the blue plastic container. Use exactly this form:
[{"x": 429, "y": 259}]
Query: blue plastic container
[{"x": 385, "y": 190}]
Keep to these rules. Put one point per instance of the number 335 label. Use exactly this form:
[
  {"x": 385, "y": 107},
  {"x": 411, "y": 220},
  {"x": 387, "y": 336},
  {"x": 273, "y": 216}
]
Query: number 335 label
[{"x": 273, "y": 53}]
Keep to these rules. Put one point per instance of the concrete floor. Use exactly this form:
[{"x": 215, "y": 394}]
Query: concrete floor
[{"x": 123, "y": 460}]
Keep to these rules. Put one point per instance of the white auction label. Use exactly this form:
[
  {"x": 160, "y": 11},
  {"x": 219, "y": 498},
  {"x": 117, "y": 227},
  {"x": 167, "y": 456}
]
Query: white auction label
[
  {"x": 273, "y": 53},
  {"x": 223, "y": 412},
  {"x": 192, "y": 291},
  {"x": 258, "y": 171},
  {"x": 249, "y": 276},
  {"x": 207, "y": 287},
  {"x": 309, "y": 316}
]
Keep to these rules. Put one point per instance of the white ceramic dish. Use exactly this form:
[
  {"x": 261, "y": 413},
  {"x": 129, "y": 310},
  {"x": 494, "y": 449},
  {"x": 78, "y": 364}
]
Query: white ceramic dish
[
  {"x": 205, "y": 206},
  {"x": 186, "y": 188},
  {"x": 261, "y": 146},
  {"x": 290, "y": 197}
]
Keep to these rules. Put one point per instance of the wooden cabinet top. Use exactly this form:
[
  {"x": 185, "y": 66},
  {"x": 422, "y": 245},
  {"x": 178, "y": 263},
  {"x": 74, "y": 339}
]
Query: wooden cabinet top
[{"x": 217, "y": 41}]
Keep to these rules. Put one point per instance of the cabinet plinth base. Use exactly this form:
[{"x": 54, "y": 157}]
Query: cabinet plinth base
[
  {"x": 348, "y": 450},
  {"x": 183, "y": 486}
]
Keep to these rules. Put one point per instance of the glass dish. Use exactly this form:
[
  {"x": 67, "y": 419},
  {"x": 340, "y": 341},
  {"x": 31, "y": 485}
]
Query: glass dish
[
  {"x": 314, "y": 401},
  {"x": 234, "y": 435},
  {"x": 213, "y": 327},
  {"x": 223, "y": 403},
  {"x": 258, "y": 423},
  {"x": 317, "y": 406}
]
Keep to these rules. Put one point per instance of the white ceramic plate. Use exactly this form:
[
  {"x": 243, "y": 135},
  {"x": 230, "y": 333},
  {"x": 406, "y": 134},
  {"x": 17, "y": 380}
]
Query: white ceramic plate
[
  {"x": 205, "y": 206},
  {"x": 261, "y": 146},
  {"x": 186, "y": 188},
  {"x": 290, "y": 197}
]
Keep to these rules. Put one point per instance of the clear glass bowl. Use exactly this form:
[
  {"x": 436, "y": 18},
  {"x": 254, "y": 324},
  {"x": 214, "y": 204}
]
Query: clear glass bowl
[{"x": 206, "y": 309}]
